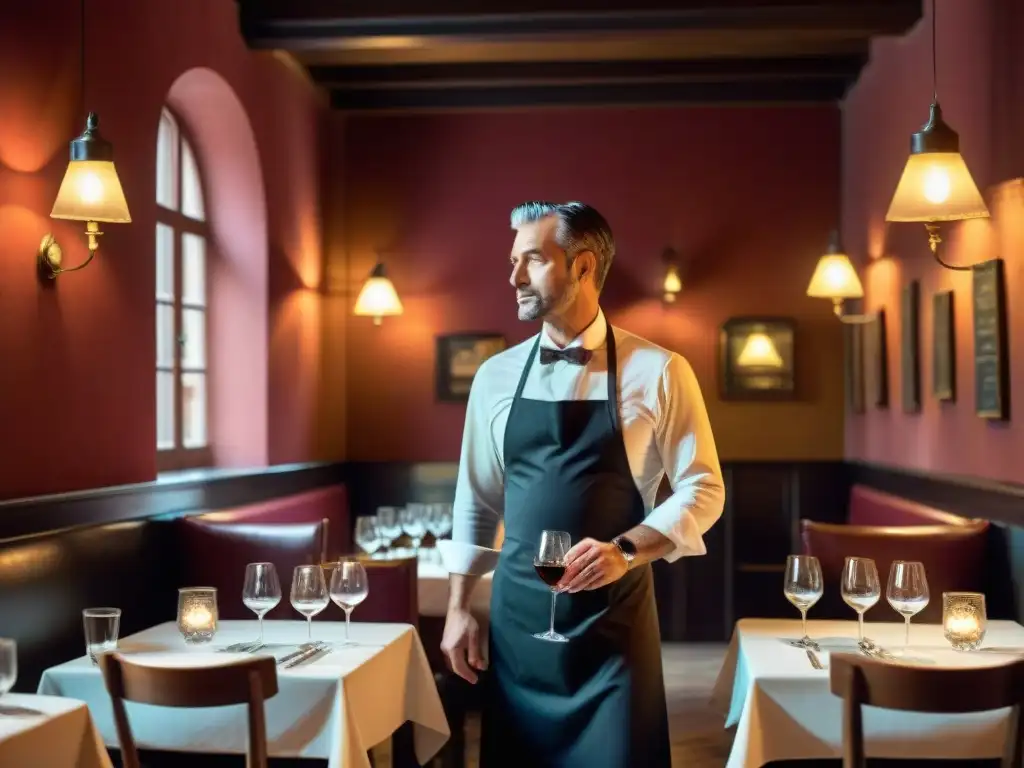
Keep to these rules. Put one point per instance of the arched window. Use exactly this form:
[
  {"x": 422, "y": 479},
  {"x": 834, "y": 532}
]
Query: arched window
[{"x": 182, "y": 235}]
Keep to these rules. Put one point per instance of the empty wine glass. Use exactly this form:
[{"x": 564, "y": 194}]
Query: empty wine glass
[
  {"x": 803, "y": 589},
  {"x": 262, "y": 590},
  {"x": 8, "y": 664},
  {"x": 861, "y": 588},
  {"x": 550, "y": 566},
  {"x": 309, "y": 593},
  {"x": 413, "y": 524},
  {"x": 368, "y": 534},
  {"x": 907, "y": 592},
  {"x": 349, "y": 587},
  {"x": 389, "y": 525}
]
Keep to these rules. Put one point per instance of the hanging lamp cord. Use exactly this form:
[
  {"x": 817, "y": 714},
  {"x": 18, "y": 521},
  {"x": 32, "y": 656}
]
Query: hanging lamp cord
[
  {"x": 81, "y": 53},
  {"x": 935, "y": 77}
]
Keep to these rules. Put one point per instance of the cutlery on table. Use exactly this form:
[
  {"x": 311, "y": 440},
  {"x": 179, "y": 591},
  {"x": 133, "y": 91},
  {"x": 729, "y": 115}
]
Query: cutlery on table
[
  {"x": 815, "y": 662},
  {"x": 312, "y": 650}
]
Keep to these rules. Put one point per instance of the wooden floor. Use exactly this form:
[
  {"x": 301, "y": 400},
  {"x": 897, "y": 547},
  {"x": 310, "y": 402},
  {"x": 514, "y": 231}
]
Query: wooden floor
[{"x": 699, "y": 738}]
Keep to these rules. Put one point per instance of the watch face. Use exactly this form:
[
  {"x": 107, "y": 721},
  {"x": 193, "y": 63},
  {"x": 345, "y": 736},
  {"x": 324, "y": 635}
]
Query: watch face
[{"x": 628, "y": 547}]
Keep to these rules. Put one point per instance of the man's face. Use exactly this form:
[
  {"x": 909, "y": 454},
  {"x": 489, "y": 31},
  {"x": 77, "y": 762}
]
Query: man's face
[{"x": 544, "y": 284}]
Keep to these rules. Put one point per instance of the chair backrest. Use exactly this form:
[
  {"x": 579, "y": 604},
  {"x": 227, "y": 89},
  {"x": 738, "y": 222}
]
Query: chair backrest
[
  {"x": 215, "y": 554},
  {"x": 250, "y": 682},
  {"x": 861, "y": 681},
  {"x": 394, "y": 590}
]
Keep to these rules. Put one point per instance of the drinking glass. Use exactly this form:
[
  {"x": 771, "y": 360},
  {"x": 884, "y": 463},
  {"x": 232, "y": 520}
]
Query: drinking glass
[
  {"x": 412, "y": 521},
  {"x": 102, "y": 626},
  {"x": 262, "y": 590},
  {"x": 803, "y": 588},
  {"x": 8, "y": 664},
  {"x": 550, "y": 566},
  {"x": 907, "y": 592},
  {"x": 368, "y": 534},
  {"x": 861, "y": 588},
  {"x": 349, "y": 587},
  {"x": 309, "y": 593},
  {"x": 389, "y": 525}
]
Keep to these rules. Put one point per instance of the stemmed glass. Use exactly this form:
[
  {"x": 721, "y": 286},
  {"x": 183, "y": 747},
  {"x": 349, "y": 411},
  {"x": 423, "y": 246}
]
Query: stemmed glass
[
  {"x": 389, "y": 525},
  {"x": 368, "y": 534},
  {"x": 907, "y": 592},
  {"x": 413, "y": 523},
  {"x": 861, "y": 589},
  {"x": 309, "y": 593},
  {"x": 262, "y": 590},
  {"x": 349, "y": 587},
  {"x": 8, "y": 664},
  {"x": 803, "y": 589},
  {"x": 550, "y": 566}
]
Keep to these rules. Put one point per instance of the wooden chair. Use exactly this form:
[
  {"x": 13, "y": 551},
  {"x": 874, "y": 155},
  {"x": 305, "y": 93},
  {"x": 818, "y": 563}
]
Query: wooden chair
[
  {"x": 860, "y": 681},
  {"x": 248, "y": 682}
]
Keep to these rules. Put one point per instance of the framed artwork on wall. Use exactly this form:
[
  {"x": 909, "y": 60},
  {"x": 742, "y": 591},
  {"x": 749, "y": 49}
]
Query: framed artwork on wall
[
  {"x": 756, "y": 358},
  {"x": 459, "y": 356},
  {"x": 943, "y": 347},
  {"x": 854, "y": 364},
  {"x": 991, "y": 374},
  {"x": 876, "y": 361},
  {"x": 910, "y": 348}
]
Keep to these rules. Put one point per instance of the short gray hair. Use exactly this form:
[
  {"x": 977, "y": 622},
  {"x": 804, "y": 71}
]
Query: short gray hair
[{"x": 581, "y": 228}]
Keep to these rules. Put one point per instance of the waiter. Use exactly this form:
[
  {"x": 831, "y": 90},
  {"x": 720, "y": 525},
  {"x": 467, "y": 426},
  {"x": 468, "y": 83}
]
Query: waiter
[{"x": 573, "y": 430}]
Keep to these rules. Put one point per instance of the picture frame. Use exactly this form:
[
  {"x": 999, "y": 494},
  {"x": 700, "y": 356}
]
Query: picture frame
[
  {"x": 910, "y": 347},
  {"x": 854, "y": 365},
  {"x": 876, "y": 361},
  {"x": 757, "y": 358},
  {"x": 991, "y": 371},
  {"x": 943, "y": 347},
  {"x": 458, "y": 358}
]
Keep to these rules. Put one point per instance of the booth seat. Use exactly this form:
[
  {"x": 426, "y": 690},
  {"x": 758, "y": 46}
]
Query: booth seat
[{"x": 885, "y": 528}]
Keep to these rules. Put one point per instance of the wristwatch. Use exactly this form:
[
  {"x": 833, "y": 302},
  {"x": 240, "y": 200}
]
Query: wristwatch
[{"x": 627, "y": 548}]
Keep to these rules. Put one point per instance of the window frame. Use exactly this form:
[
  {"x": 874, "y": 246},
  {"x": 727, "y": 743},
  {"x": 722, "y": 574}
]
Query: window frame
[{"x": 179, "y": 457}]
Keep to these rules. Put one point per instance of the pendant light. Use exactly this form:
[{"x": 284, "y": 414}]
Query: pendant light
[
  {"x": 835, "y": 278},
  {"x": 936, "y": 185},
  {"x": 378, "y": 297},
  {"x": 91, "y": 190}
]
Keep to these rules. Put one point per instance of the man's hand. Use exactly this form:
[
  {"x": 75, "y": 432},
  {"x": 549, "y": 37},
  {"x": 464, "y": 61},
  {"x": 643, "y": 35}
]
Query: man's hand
[
  {"x": 591, "y": 564},
  {"x": 461, "y": 644}
]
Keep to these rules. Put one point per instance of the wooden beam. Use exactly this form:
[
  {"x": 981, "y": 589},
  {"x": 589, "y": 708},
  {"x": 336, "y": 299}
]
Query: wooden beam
[{"x": 419, "y": 99}]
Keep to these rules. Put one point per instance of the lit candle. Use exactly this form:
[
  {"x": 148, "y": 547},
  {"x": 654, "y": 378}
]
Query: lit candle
[
  {"x": 197, "y": 613},
  {"x": 963, "y": 619},
  {"x": 199, "y": 618},
  {"x": 963, "y": 626}
]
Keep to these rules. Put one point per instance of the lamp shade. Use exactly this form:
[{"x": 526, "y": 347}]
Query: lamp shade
[
  {"x": 834, "y": 277},
  {"x": 936, "y": 184},
  {"x": 673, "y": 282},
  {"x": 759, "y": 351},
  {"x": 91, "y": 189},
  {"x": 378, "y": 297}
]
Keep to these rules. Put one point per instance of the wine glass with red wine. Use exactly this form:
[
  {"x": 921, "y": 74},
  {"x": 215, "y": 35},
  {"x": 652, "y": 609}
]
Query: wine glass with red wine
[{"x": 550, "y": 565}]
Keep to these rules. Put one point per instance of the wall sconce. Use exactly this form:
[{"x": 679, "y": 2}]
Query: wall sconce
[
  {"x": 936, "y": 184},
  {"x": 378, "y": 297},
  {"x": 672, "y": 285},
  {"x": 91, "y": 192},
  {"x": 836, "y": 279}
]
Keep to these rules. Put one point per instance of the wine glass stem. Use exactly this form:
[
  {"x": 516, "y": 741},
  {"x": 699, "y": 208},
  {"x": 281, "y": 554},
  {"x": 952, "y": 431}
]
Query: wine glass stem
[
  {"x": 860, "y": 625},
  {"x": 803, "y": 621},
  {"x": 906, "y": 632},
  {"x": 554, "y": 594},
  {"x": 309, "y": 627},
  {"x": 261, "y": 628},
  {"x": 348, "y": 621}
]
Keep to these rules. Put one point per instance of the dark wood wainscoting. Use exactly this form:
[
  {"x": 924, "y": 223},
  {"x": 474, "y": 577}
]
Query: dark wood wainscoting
[{"x": 699, "y": 598}]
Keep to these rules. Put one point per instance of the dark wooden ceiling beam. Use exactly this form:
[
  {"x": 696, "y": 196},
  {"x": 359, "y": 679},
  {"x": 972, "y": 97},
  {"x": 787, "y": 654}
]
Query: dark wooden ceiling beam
[
  {"x": 573, "y": 72},
  {"x": 771, "y": 92},
  {"x": 299, "y": 24}
]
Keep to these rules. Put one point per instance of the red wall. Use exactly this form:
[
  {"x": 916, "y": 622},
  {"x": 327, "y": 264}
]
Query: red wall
[
  {"x": 749, "y": 194},
  {"x": 980, "y": 88},
  {"x": 77, "y": 395}
]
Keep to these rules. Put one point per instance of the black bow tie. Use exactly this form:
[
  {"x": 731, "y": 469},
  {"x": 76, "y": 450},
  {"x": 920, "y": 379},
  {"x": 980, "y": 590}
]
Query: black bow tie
[{"x": 577, "y": 355}]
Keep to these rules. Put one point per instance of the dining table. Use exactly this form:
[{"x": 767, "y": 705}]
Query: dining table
[
  {"x": 778, "y": 698},
  {"x": 48, "y": 732},
  {"x": 336, "y": 705}
]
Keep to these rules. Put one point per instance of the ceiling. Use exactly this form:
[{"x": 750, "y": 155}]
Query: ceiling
[{"x": 392, "y": 55}]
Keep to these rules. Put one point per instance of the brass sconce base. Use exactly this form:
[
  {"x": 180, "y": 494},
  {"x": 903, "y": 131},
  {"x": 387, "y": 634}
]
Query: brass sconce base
[
  {"x": 837, "y": 307},
  {"x": 50, "y": 257}
]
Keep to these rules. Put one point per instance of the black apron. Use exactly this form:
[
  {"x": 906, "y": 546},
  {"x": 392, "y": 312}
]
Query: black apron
[{"x": 597, "y": 701}]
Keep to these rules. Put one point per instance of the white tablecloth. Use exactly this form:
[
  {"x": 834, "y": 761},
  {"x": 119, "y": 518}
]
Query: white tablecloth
[
  {"x": 783, "y": 709},
  {"x": 433, "y": 590},
  {"x": 335, "y": 707},
  {"x": 48, "y": 732}
]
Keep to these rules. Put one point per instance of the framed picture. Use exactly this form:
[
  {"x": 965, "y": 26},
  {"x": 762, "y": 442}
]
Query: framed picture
[
  {"x": 876, "y": 361},
  {"x": 943, "y": 347},
  {"x": 991, "y": 372},
  {"x": 756, "y": 358},
  {"x": 910, "y": 348},
  {"x": 459, "y": 356},
  {"x": 854, "y": 364}
]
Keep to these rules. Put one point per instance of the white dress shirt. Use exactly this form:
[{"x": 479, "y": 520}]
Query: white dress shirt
[{"x": 665, "y": 429}]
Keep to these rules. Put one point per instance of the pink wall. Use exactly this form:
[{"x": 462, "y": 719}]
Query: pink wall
[
  {"x": 749, "y": 194},
  {"x": 77, "y": 398},
  {"x": 980, "y": 89}
]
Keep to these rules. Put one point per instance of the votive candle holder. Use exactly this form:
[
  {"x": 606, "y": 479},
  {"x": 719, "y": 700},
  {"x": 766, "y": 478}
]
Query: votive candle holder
[
  {"x": 963, "y": 619},
  {"x": 197, "y": 614}
]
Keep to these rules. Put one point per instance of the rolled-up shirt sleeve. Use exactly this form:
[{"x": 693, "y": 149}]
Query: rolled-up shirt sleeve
[
  {"x": 690, "y": 459},
  {"x": 480, "y": 488}
]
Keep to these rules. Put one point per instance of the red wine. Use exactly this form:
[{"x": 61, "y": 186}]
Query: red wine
[{"x": 549, "y": 573}]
